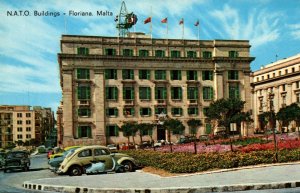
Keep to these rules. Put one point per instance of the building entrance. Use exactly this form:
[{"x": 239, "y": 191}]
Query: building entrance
[{"x": 161, "y": 133}]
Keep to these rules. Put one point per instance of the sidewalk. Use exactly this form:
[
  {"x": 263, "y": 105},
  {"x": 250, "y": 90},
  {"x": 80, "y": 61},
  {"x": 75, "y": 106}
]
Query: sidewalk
[{"x": 250, "y": 178}]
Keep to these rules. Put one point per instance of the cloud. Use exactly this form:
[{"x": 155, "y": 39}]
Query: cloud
[
  {"x": 295, "y": 31},
  {"x": 261, "y": 27}
]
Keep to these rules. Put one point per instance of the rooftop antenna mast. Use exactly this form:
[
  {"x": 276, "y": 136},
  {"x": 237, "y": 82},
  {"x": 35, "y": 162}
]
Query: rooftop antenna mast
[{"x": 125, "y": 20}]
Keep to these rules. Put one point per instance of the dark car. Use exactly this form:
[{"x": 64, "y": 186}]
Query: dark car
[
  {"x": 16, "y": 160},
  {"x": 2, "y": 156}
]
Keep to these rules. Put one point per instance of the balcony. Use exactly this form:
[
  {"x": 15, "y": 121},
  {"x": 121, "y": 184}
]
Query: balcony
[
  {"x": 129, "y": 102},
  {"x": 83, "y": 103}
]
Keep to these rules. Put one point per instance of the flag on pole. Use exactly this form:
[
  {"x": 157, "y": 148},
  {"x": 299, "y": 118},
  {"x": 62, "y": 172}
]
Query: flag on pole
[
  {"x": 165, "y": 20},
  {"x": 197, "y": 23},
  {"x": 116, "y": 18},
  {"x": 181, "y": 21},
  {"x": 148, "y": 20}
]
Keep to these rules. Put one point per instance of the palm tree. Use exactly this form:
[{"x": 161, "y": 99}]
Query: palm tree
[{"x": 194, "y": 124}]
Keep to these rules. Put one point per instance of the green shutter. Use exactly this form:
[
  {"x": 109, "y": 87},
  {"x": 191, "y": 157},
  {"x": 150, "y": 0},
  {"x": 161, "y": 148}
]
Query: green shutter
[
  {"x": 149, "y": 111},
  {"x": 210, "y": 75},
  {"x": 123, "y": 74},
  {"x": 106, "y": 92},
  {"x": 180, "y": 111},
  {"x": 195, "y": 75},
  {"x": 188, "y": 75},
  {"x": 164, "y": 75},
  {"x": 172, "y": 93},
  {"x": 115, "y": 93},
  {"x": 79, "y": 132},
  {"x": 210, "y": 93},
  {"x": 88, "y": 93},
  {"x": 106, "y": 74},
  {"x": 78, "y": 73},
  {"x": 124, "y": 92},
  {"x": 148, "y": 92},
  {"x": 180, "y": 93},
  {"x": 132, "y": 111},
  {"x": 156, "y": 93},
  {"x": 196, "y": 93},
  {"x": 203, "y": 75},
  {"x": 140, "y": 74},
  {"x": 164, "y": 93},
  {"x": 179, "y": 74},
  {"x": 156, "y": 75},
  {"x": 107, "y": 131},
  {"x": 116, "y": 112},
  {"x": 172, "y": 74},
  {"x": 78, "y": 50},
  {"x": 113, "y": 52},
  {"x": 132, "y": 93},
  {"x": 89, "y": 132},
  {"x": 78, "y": 92},
  {"x": 131, "y": 74},
  {"x": 141, "y": 111},
  {"x": 188, "y": 93},
  {"x": 115, "y": 74},
  {"x": 116, "y": 130},
  {"x": 148, "y": 74}
]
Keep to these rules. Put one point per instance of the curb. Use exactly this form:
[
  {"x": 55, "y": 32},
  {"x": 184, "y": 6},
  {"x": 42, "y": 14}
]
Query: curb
[{"x": 229, "y": 188}]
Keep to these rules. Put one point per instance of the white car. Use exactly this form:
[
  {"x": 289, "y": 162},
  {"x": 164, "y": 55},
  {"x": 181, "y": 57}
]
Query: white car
[{"x": 159, "y": 143}]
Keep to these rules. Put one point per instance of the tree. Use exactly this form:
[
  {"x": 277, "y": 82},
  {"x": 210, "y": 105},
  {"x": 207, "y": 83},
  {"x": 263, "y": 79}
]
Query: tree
[
  {"x": 224, "y": 111},
  {"x": 145, "y": 127},
  {"x": 284, "y": 117},
  {"x": 173, "y": 126},
  {"x": 19, "y": 143},
  {"x": 242, "y": 117},
  {"x": 129, "y": 129},
  {"x": 194, "y": 124}
]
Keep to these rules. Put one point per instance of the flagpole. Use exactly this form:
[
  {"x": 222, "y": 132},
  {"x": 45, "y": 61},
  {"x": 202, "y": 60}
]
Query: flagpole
[
  {"x": 198, "y": 31},
  {"x": 182, "y": 29},
  {"x": 151, "y": 22}
]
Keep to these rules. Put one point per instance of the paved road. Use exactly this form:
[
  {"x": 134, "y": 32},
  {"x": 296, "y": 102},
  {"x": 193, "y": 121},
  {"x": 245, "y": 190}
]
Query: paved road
[{"x": 12, "y": 182}]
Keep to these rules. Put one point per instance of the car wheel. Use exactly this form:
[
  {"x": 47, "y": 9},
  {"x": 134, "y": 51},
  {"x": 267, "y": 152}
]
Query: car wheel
[
  {"x": 128, "y": 166},
  {"x": 75, "y": 171}
]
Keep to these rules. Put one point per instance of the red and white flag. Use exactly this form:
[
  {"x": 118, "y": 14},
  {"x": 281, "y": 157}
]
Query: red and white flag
[
  {"x": 148, "y": 20},
  {"x": 197, "y": 23},
  {"x": 165, "y": 20},
  {"x": 181, "y": 21}
]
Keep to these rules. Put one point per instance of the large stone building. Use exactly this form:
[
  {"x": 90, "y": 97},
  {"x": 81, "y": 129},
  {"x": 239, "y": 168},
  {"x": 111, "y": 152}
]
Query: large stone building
[
  {"x": 107, "y": 81},
  {"x": 275, "y": 86},
  {"x": 21, "y": 123}
]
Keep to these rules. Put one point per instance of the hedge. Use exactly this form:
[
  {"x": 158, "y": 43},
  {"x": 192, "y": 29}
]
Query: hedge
[{"x": 189, "y": 163}]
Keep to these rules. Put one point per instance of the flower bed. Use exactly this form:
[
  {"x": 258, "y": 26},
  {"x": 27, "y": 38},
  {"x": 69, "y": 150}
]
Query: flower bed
[{"x": 189, "y": 163}]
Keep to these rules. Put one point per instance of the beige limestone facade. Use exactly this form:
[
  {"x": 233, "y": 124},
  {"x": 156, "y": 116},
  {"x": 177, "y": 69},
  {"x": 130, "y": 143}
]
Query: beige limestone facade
[
  {"x": 275, "y": 85},
  {"x": 107, "y": 81}
]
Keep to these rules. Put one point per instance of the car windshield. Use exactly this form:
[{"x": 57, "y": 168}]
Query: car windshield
[
  {"x": 69, "y": 153},
  {"x": 15, "y": 155}
]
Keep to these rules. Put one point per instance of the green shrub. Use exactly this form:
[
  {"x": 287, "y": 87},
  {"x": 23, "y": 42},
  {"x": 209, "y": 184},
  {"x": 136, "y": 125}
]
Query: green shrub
[{"x": 189, "y": 163}]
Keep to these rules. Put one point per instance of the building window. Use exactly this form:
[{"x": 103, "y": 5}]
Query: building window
[
  {"x": 145, "y": 111},
  {"x": 207, "y": 75},
  {"x": 160, "y": 75},
  {"x": 193, "y": 111},
  {"x": 111, "y": 93},
  {"x": 283, "y": 100},
  {"x": 192, "y": 93},
  {"x": 160, "y": 53},
  {"x": 233, "y": 75},
  {"x": 283, "y": 87},
  {"x": 271, "y": 104},
  {"x": 84, "y": 131},
  {"x": 279, "y": 73},
  {"x": 128, "y": 111},
  {"x": 297, "y": 84},
  {"x": 19, "y": 114},
  {"x": 191, "y": 54},
  {"x": 82, "y": 51},
  {"x": 143, "y": 53},
  {"x": 160, "y": 93},
  {"x": 83, "y": 73},
  {"x": 83, "y": 92},
  {"x": 128, "y": 93},
  {"x": 28, "y": 136},
  {"x": 207, "y": 93},
  {"x": 28, "y": 122},
  {"x": 298, "y": 97},
  {"x": 176, "y": 111},
  {"x": 205, "y": 109},
  {"x": 273, "y": 75},
  {"x": 268, "y": 76},
  {"x": 234, "y": 90},
  {"x": 20, "y": 136},
  {"x": 262, "y": 78},
  {"x": 207, "y": 54},
  {"x": 20, "y": 129},
  {"x": 28, "y": 129},
  {"x": 111, "y": 74},
  {"x": 128, "y": 74},
  {"x": 192, "y": 75},
  {"x": 257, "y": 79},
  {"x": 19, "y": 122},
  {"x": 260, "y": 107},
  {"x": 293, "y": 69},
  {"x": 175, "y": 75},
  {"x": 286, "y": 71},
  {"x": 112, "y": 130},
  {"x": 110, "y": 52},
  {"x": 176, "y": 93},
  {"x": 145, "y": 93},
  {"x": 260, "y": 92},
  {"x": 84, "y": 112},
  {"x": 112, "y": 112},
  {"x": 28, "y": 114},
  {"x": 144, "y": 74},
  {"x": 233, "y": 54},
  {"x": 175, "y": 54},
  {"x": 127, "y": 52},
  {"x": 159, "y": 110}
]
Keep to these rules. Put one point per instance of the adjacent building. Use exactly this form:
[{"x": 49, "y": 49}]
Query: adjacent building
[
  {"x": 107, "y": 81},
  {"x": 22, "y": 123},
  {"x": 275, "y": 85}
]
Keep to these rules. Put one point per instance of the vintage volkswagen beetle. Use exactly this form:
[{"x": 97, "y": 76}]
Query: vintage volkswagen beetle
[{"x": 16, "y": 160}]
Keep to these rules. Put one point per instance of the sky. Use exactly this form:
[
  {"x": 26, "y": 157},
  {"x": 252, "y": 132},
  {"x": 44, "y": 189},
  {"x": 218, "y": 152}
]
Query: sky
[{"x": 29, "y": 44}]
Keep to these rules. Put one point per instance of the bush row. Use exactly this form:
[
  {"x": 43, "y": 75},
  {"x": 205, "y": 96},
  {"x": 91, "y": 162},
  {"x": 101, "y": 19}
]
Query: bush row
[{"x": 189, "y": 163}]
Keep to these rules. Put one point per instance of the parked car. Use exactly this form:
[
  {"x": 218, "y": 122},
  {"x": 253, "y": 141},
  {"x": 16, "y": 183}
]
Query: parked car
[
  {"x": 112, "y": 147},
  {"x": 159, "y": 143},
  {"x": 16, "y": 160},
  {"x": 59, "y": 152},
  {"x": 187, "y": 139},
  {"x": 2, "y": 157},
  {"x": 75, "y": 163},
  {"x": 203, "y": 138},
  {"x": 145, "y": 144},
  {"x": 54, "y": 163}
]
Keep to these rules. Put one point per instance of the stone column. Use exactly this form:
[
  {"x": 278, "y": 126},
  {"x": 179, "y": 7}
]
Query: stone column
[
  {"x": 99, "y": 108},
  {"x": 218, "y": 84},
  {"x": 246, "y": 94},
  {"x": 68, "y": 107}
]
